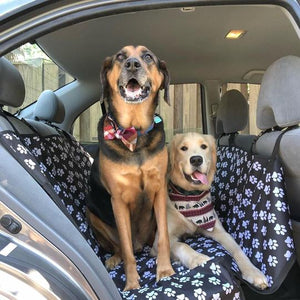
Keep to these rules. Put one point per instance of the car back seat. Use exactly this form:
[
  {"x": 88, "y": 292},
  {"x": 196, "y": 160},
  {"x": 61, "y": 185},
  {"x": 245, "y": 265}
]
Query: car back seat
[
  {"x": 278, "y": 107},
  {"x": 242, "y": 198}
]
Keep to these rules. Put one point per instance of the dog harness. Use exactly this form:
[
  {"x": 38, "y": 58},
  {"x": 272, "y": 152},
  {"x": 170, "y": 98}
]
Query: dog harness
[
  {"x": 128, "y": 136},
  {"x": 197, "y": 207}
]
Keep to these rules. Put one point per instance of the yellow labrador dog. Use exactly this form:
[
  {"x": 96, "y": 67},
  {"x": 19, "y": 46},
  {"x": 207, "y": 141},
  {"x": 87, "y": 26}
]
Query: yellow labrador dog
[{"x": 190, "y": 209}]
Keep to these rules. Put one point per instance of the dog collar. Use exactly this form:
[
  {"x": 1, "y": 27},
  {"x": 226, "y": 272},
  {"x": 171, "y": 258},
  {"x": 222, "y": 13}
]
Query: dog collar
[
  {"x": 128, "y": 136},
  {"x": 198, "y": 208}
]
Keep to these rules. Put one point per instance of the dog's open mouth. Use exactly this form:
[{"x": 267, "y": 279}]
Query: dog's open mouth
[
  {"x": 197, "y": 178},
  {"x": 134, "y": 92}
]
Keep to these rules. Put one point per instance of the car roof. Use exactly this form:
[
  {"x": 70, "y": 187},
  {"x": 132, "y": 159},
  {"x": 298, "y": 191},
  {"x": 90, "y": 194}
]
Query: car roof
[{"x": 189, "y": 35}]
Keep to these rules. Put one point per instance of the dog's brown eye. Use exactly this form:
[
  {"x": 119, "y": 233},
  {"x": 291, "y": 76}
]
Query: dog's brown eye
[
  {"x": 183, "y": 148},
  {"x": 203, "y": 146},
  {"x": 148, "y": 58},
  {"x": 120, "y": 56}
]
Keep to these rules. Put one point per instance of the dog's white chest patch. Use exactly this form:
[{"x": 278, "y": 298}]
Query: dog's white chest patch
[{"x": 197, "y": 208}]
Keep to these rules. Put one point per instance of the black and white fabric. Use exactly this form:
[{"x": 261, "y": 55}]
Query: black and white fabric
[
  {"x": 250, "y": 198},
  {"x": 62, "y": 162}
]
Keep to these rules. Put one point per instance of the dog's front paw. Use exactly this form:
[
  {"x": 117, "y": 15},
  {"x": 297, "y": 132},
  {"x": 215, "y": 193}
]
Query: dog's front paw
[
  {"x": 132, "y": 282},
  {"x": 164, "y": 272},
  {"x": 256, "y": 277},
  {"x": 196, "y": 260},
  {"x": 113, "y": 261}
]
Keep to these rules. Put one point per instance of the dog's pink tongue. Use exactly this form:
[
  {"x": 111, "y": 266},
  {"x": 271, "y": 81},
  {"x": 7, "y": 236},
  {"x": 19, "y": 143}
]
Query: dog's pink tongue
[
  {"x": 133, "y": 86},
  {"x": 201, "y": 177}
]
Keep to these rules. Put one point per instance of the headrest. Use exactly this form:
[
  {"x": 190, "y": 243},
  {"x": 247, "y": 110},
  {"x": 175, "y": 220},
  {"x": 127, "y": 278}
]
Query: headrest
[
  {"x": 49, "y": 108},
  {"x": 278, "y": 102},
  {"x": 232, "y": 114},
  {"x": 12, "y": 89}
]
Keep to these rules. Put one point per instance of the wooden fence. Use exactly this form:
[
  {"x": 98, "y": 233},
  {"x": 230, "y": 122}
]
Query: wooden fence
[{"x": 184, "y": 113}]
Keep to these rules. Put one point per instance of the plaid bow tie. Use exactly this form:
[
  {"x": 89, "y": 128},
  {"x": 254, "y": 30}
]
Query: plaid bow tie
[{"x": 128, "y": 136}]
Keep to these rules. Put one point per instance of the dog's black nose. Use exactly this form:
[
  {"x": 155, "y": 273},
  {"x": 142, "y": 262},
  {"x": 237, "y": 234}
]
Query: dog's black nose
[
  {"x": 196, "y": 161},
  {"x": 132, "y": 64}
]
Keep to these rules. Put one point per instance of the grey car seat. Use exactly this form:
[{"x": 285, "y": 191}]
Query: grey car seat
[
  {"x": 240, "y": 192},
  {"x": 279, "y": 107}
]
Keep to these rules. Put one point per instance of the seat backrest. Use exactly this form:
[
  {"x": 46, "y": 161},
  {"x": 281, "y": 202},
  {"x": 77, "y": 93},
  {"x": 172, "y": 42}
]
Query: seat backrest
[
  {"x": 232, "y": 116},
  {"x": 279, "y": 106},
  {"x": 12, "y": 94},
  {"x": 12, "y": 89}
]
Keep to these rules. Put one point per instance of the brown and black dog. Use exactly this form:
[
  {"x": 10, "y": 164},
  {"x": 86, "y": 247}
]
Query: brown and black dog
[{"x": 128, "y": 179}]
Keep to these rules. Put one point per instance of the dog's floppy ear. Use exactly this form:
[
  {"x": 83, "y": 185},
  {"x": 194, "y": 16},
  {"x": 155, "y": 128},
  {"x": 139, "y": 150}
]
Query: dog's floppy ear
[
  {"x": 166, "y": 82},
  {"x": 107, "y": 64}
]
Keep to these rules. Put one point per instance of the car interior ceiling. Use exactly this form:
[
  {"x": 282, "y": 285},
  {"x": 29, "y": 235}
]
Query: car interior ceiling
[{"x": 253, "y": 52}]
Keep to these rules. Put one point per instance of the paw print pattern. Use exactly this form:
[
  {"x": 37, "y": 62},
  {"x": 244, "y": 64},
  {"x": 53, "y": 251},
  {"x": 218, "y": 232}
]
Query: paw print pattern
[{"x": 255, "y": 211}]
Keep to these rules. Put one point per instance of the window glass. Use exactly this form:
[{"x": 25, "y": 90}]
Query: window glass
[
  {"x": 183, "y": 114},
  {"x": 85, "y": 126},
  {"x": 38, "y": 71},
  {"x": 250, "y": 92}
]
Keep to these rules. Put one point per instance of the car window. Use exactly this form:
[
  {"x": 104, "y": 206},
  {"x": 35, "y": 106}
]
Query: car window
[
  {"x": 38, "y": 71},
  {"x": 179, "y": 116},
  {"x": 250, "y": 92}
]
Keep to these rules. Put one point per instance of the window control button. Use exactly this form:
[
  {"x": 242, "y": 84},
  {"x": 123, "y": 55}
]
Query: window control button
[{"x": 11, "y": 224}]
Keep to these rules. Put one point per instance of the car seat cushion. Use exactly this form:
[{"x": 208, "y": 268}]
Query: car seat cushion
[
  {"x": 65, "y": 164},
  {"x": 250, "y": 198}
]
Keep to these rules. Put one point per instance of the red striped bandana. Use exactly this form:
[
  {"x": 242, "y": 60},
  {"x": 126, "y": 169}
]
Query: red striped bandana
[
  {"x": 127, "y": 136},
  {"x": 197, "y": 208}
]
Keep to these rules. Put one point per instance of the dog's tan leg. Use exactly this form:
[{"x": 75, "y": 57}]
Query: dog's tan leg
[
  {"x": 187, "y": 255},
  {"x": 249, "y": 271},
  {"x": 178, "y": 225},
  {"x": 122, "y": 216},
  {"x": 164, "y": 267}
]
